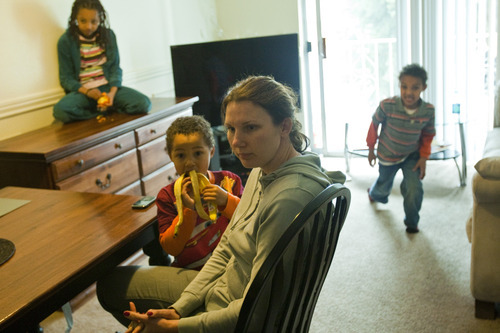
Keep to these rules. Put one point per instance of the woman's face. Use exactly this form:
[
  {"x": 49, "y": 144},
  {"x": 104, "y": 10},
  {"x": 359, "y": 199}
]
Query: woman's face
[
  {"x": 253, "y": 137},
  {"x": 87, "y": 21}
]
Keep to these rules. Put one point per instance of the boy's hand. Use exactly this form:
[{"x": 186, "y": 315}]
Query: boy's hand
[
  {"x": 215, "y": 193},
  {"x": 187, "y": 194},
  {"x": 421, "y": 163},
  {"x": 372, "y": 158}
]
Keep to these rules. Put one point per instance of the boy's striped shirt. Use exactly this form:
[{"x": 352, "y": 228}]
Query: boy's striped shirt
[{"x": 402, "y": 133}]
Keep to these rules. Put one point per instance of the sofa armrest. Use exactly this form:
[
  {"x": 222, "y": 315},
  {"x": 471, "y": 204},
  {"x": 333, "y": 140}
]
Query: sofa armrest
[
  {"x": 485, "y": 190},
  {"x": 468, "y": 227},
  {"x": 489, "y": 166}
]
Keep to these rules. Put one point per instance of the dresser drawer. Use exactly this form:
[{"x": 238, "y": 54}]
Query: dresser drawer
[
  {"x": 158, "y": 128},
  {"x": 85, "y": 159},
  {"x": 107, "y": 177},
  {"x": 153, "y": 183},
  {"x": 153, "y": 156}
]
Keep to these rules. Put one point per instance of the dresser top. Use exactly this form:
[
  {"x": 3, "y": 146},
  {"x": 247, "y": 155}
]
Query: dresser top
[{"x": 57, "y": 140}]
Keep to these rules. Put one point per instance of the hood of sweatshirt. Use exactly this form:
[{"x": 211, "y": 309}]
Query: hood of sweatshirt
[{"x": 309, "y": 165}]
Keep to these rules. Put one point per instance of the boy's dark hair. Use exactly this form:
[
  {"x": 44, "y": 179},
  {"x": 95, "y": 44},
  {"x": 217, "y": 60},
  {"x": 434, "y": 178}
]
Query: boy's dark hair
[
  {"x": 101, "y": 33},
  {"x": 189, "y": 125},
  {"x": 414, "y": 70}
]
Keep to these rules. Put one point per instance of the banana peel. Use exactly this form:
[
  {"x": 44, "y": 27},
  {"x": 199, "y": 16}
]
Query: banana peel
[{"x": 198, "y": 181}]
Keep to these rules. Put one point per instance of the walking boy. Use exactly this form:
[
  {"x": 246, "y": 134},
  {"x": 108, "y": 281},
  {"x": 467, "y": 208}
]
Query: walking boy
[{"x": 404, "y": 143}]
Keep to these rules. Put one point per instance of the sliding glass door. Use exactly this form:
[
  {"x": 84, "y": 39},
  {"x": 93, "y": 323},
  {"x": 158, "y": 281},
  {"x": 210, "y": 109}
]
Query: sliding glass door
[{"x": 355, "y": 67}]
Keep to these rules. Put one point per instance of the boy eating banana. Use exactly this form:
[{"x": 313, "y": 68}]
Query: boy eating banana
[{"x": 194, "y": 211}]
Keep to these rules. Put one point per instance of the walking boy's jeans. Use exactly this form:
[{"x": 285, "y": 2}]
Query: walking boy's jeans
[{"x": 411, "y": 187}]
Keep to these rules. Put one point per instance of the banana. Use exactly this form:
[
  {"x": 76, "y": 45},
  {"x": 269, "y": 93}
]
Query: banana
[{"x": 198, "y": 181}]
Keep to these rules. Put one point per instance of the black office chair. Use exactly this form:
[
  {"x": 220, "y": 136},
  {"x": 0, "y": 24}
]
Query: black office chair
[{"x": 283, "y": 295}]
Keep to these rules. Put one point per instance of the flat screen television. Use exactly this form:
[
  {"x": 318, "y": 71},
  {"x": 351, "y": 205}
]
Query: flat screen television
[{"x": 207, "y": 70}]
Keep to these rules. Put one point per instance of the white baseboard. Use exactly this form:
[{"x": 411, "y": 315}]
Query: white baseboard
[
  {"x": 30, "y": 103},
  {"x": 155, "y": 81}
]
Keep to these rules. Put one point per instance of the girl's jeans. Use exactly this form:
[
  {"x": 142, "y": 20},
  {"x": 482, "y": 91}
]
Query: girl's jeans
[{"x": 411, "y": 187}]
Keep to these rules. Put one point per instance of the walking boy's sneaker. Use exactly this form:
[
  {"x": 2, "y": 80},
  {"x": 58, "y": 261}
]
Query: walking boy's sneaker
[
  {"x": 369, "y": 196},
  {"x": 411, "y": 230}
]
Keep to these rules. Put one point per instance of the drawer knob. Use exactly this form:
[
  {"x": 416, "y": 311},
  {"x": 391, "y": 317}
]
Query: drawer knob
[
  {"x": 153, "y": 131},
  {"x": 118, "y": 145},
  {"x": 102, "y": 185},
  {"x": 80, "y": 163}
]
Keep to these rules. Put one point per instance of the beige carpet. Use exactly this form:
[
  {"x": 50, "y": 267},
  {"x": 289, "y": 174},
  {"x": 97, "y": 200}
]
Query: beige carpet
[{"x": 382, "y": 279}]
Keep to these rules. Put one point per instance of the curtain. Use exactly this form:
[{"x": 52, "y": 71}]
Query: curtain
[{"x": 460, "y": 45}]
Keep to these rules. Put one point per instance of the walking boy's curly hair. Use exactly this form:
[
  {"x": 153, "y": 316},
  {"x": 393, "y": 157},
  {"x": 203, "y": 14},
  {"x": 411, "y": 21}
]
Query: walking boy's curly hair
[{"x": 414, "y": 70}]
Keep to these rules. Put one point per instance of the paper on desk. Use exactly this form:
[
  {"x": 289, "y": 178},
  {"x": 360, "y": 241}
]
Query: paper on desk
[{"x": 8, "y": 205}]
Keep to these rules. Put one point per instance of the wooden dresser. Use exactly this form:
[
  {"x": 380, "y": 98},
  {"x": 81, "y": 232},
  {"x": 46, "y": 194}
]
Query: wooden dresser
[{"x": 125, "y": 154}]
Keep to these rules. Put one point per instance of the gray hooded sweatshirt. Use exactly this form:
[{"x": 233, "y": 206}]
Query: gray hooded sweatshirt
[{"x": 268, "y": 205}]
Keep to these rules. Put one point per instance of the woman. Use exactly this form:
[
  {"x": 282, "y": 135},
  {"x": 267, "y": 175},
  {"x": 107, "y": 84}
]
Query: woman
[{"x": 258, "y": 114}]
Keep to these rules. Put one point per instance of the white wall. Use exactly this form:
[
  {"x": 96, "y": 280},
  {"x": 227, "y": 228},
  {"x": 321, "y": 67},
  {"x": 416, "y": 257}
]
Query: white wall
[
  {"x": 29, "y": 31},
  {"x": 244, "y": 19}
]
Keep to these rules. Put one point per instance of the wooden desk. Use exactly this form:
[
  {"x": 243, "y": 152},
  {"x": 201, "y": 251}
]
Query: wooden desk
[{"x": 65, "y": 241}]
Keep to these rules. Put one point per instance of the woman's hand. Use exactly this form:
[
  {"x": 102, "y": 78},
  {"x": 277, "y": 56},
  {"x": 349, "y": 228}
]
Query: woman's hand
[
  {"x": 164, "y": 313},
  {"x": 215, "y": 193},
  {"x": 154, "y": 321}
]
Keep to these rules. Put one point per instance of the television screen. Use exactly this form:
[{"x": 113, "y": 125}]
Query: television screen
[{"x": 207, "y": 70}]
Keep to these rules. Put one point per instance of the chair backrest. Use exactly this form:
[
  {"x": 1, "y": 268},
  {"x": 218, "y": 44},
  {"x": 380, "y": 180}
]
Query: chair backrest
[{"x": 283, "y": 295}]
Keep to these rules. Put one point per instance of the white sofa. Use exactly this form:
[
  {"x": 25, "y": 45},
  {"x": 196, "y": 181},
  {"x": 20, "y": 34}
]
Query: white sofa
[{"x": 483, "y": 229}]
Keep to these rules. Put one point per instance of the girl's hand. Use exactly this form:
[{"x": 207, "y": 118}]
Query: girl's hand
[
  {"x": 215, "y": 193},
  {"x": 94, "y": 93},
  {"x": 111, "y": 95}
]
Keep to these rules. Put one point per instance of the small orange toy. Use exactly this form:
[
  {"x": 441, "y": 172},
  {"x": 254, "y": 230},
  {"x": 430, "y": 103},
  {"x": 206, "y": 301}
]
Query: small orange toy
[{"x": 103, "y": 102}]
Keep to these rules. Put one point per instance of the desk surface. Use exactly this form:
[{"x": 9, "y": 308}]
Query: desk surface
[{"x": 64, "y": 242}]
